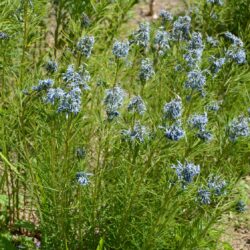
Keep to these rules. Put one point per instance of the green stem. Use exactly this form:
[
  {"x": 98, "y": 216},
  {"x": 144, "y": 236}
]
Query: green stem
[
  {"x": 12, "y": 167},
  {"x": 25, "y": 36},
  {"x": 116, "y": 71},
  {"x": 157, "y": 227}
]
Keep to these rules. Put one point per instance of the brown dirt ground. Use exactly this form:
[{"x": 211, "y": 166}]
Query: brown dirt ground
[{"x": 237, "y": 232}]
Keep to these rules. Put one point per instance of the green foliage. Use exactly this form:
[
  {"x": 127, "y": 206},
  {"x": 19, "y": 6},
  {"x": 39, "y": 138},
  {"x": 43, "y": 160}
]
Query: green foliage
[
  {"x": 130, "y": 196},
  {"x": 233, "y": 16}
]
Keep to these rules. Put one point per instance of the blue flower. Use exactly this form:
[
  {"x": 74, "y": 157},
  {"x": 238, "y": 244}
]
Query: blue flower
[
  {"x": 199, "y": 121},
  {"x": 69, "y": 75},
  {"x": 236, "y": 51},
  {"x": 216, "y": 185},
  {"x": 186, "y": 172},
  {"x": 212, "y": 41},
  {"x": 178, "y": 67},
  {"x": 175, "y": 132},
  {"x": 214, "y": 106},
  {"x": 85, "y": 45},
  {"x": 205, "y": 135},
  {"x": 181, "y": 28},
  {"x": 196, "y": 41},
  {"x": 238, "y": 128},
  {"x": 146, "y": 71},
  {"x": 217, "y": 64},
  {"x": 139, "y": 133},
  {"x": 194, "y": 49},
  {"x": 136, "y": 104},
  {"x": 83, "y": 178},
  {"x": 120, "y": 49},
  {"x": 195, "y": 80},
  {"x": 43, "y": 84},
  {"x": 165, "y": 16},
  {"x": 193, "y": 57},
  {"x": 113, "y": 101},
  {"x": 77, "y": 79},
  {"x": 53, "y": 95},
  {"x": 173, "y": 109},
  {"x": 241, "y": 206},
  {"x": 238, "y": 55},
  {"x": 142, "y": 35},
  {"x": 71, "y": 102},
  {"x": 4, "y": 36},
  {"x": 51, "y": 66},
  {"x": 161, "y": 41},
  {"x": 216, "y": 2},
  {"x": 234, "y": 39},
  {"x": 85, "y": 21},
  {"x": 80, "y": 153},
  {"x": 25, "y": 92},
  {"x": 214, "y": 16},
  {"x": 204, "y": 196}
]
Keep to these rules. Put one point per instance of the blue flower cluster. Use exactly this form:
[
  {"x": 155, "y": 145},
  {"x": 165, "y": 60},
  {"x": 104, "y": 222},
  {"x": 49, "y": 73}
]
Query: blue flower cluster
[
  {"x": 82, "y": 178},
  {"x": 175, "y": 131},
  {"x": 85, "y": 45},
  {"x": 173, "y": 109},
  {"x": 214, "y": 106},
  {"x": 217, "y": 64},
  {"x": 80, "y": 152},
  {"x": 85, "y": 21},
  {"x": 136, "y": 104},
  {"x": 212, "y": 41},
  {"x": 141, "y": 37},
  {"x": 235, "y": 51},
  {"x": 51, "y": 66},
  {"x": 234, "y": 39},
  {"x": 43, "y": 85},
  {"x": 241, "y": 206},
  {"x": 194, "y": 50},
  {"x": 204, "y": 196},
  {"x": 200, "y": 122},
  {"x": 166, "y": 16},
  {"x": 214, "y": 187},
  {"x": 139, "y": 133},
  {"x": 181, "y": 28},
  {"x": 77, "y": 79},
  {"x": 186, "y": 172},
  {"x": 53, "y": 95},
  {"x": 146, "y": 70},
  {"x": 216, "y": 2},
  {"x": 195, "y": 80},
  {"x": 70, "y": 102},
  {"x": 178, "y": 68},
  {"x": 196, "y": 42},
  {"x": 120, "y": 49},
  {"x": 236, "y": 54},
  {"x": 113, "y": 101},
  {"x": 238, "y": 128},
  {"x": 205, "y": 135},
  {"x": 161, "y": 41},
  {"x": 4, "y": 36}
]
